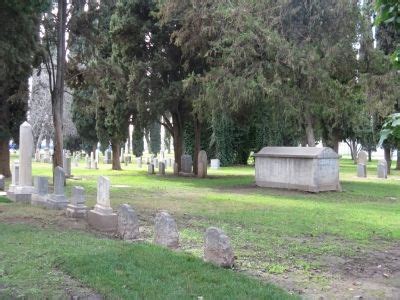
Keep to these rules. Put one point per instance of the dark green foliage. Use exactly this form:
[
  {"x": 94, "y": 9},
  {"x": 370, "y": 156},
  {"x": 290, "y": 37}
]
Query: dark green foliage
[
  {"x": 137, "y": 140},
  {"x": 155, "y": 137}
]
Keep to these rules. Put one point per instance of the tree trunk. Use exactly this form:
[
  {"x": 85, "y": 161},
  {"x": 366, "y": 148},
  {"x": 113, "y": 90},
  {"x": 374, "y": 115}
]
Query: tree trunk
[
  {"x": 58, "y": 92},
  {"x": 398, "y": 160},
  {"x": 178, "y": 139},
  {"x": 116, "y": 152},
  {"x": 4, "y": 158},
  {"x": 146, "y": 136},
  {"x": 197, "y": 144},
  {"x": 310, "y": 131},
  {"x": 369, "y": 155},
  {"x": 387, "y": 158}
]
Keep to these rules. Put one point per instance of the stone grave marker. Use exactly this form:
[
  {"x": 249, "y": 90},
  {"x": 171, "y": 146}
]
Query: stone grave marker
[
  {"x": 202, "y": 164},
  {"x": 186, "y": 164},
  {"x": 215, "y": 163},
  {"x": 57, "y": 200},
  {"x": 128, "y": 223},
  {"x": 217, "y": 248},
  {"x": 139, "y": 162},
  {"x": 362, "y": 158},
  {"x": 161, "y": 168},
  {"x": 150, "y": 169},
  {"x": 40, "y": 196},
  {"x": 382, "y": 169},
  {"x": 67, "y": 166},
  {"x": 361, "y": 170},
  {"x": 166, "y": 231},
  {"x": 77, "y": 208},
  {"x": 102, "y": 216}
]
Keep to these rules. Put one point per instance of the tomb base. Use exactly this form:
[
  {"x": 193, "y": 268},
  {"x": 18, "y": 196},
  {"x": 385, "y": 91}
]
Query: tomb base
[
  {"x": 57, "y": 202},
  {"x": 76, "y": 211},
  {"x": 39, "y": 200},
  {"x": 106, "y": 222}
]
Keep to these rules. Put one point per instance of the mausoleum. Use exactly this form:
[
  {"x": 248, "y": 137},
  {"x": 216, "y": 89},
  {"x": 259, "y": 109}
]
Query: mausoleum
[{"x": 308, "y": 169}]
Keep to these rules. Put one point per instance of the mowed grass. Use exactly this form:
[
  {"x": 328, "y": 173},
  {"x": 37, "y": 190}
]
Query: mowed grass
[
  {"x": 34, "y": 263},
  {"x": 272, "y": 231}
]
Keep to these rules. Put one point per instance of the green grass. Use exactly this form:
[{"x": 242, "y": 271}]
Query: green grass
[
  {"x": 31, "y": 261},
  {"x": 272, "y": 231}
]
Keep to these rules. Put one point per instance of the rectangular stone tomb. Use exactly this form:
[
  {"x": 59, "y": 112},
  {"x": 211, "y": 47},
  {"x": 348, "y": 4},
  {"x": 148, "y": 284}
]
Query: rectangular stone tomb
[
  {"x": 102, "y": 216},
  {"x": 77, "y": 207},
  {"x": 308, "y": 169},
  {"x": 40, "y": 195}
]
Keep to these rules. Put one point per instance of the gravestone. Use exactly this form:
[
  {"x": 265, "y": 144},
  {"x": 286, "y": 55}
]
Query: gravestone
[
  {"x": 161, "y": 168},
  {"x": 361, "y": 170},
  {"x": 217, "y": 248},
  {"x": 77, "y": 208},
  {"x": 15, "y": 174},
  {"x": 108, "y": 157},
  {"x": 150, "y": 169},
  {"x": 22, "y": 192},
  {"x": 57, "y": 200},
  {"x": 122, "y": 156},
  {"x": 88, "y": 163},
  {"x": 362, "y": 158},
  {"x": 139, "y": 162},
  {"x": 102, "y": 216},
  {"x": 155, "y": 162},
  {"x": 166, "y": 231},
  {"x": 128, "y": 223},
  {"x": 202, "y": 164},
  {"x": 176, "y": 169},
  {"x": 382, "y": 169},
  {"x": 215, "y": 163},
  {"x": 67, "y": 166},
  {"x": 2, "y": 182},
  {"x": 40, "y": 196},
  {"x": 186, "y": 164}
]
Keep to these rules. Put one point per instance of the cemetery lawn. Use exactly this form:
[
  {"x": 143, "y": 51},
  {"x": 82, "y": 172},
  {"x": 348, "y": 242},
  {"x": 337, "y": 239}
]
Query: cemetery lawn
[{"x": 331, "y": 244}]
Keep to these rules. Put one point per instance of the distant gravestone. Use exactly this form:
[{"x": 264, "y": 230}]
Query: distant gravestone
[
  {"x": 361, "y": 170},
  {"x": 139, "y": 162},
  {"x": 217, "y": 248},
  {"x": 186, "y": 164},
  {"x": 39, "y": 197},
  {"x": 382, "y": 169},
  {"x": 155, "y": 162},
  {"x": 2, "y": 182},
  {"x": 102, "y": 216},
  {"x": 67, "y": 166},
  {"x": 108, "y": 157},
  {"x": 215, "y": 164},
  {"x": 202, "y": 164},
  {"x": 57, "y": 200},
  {"x": 362, "y": 158},
  {"x": 150, "y": 169},
  {"x": 92, "y": 161},
  {"x": 88, "y": 163},
  {"x": 176, "y": 169},
  {"x": 166, "y": 231},
  {"x": 128, "y": 223},
  {"x": 77, "y": 208},
  {"x": 161, "y": 168}
]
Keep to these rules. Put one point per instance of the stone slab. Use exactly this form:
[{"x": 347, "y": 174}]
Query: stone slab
[{"x": 103, "y": 222}]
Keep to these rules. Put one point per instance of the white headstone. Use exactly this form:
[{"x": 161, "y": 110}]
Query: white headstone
[
  {"x": 166, "y": 231},
  {"x": 103, "y": 196},
  {"x": 202, "y": 164},
  {"x": 215, "y": 163}
]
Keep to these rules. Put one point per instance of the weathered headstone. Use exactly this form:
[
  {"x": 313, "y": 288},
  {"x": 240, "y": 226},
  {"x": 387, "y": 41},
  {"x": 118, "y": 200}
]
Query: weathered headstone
[
  {"x": 166, "y": 231},
  {"x": 362, "y": 157},
  {"x": 202, "y": 164},
  {"x": 67, "y": 166},
  {"x": 161, "y": 168},
  {"x": 39, "y": 197},
  {"x": 186, "y": 164},
  {"x": 139, "y": 162},
  {"x": 176, "y": 169},
  {"x": 22, "y": 192},
  {"x": 382, "y": 169},
  {"x": 2, "y": 182},
  {"x": 57, "y": 200},
  {"x": 361, "y": 170},
  {"x": 150, "y": 169},
  {"x": 77, "y": 208},
  {"x": 215, "y": 163},
  {"x": 128, "y": 223},
  {"x": 102, "y": 216},
  {"x": 217, "y": 248},
  {"x": 108, "y": 157}
]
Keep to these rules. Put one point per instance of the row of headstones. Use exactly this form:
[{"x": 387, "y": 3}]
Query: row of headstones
[
  {"x": 217, "y": 247},
  {"x": 362, "y": 166}
]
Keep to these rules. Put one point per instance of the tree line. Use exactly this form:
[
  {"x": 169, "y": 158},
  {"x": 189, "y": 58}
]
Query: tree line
[{"x": 226, "y": 76}]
